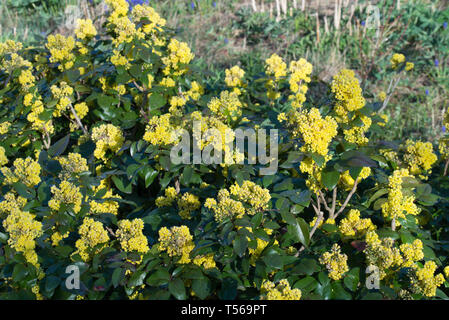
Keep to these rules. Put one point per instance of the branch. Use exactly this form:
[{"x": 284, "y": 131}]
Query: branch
[
  {"x": 347, "y": 199},
  {"x": 78, "y": 120}
]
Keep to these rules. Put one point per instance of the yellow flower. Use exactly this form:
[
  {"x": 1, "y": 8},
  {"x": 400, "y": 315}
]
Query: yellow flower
[
  {"x": 275, "y": 66},
  {"x": 281, "y": 291},
  {"x": 3, "y": 158},
  {"x": 67, "y": 194},
  {"x": 26, "y": 171},
  {"x": 61, "y": 48},
  {"x": 234, "y": 77},
  {"x": 92, "y": 234},
  {"x": 419, "y": 157},
  {"x": 227, "y": 107},
  {"x": 107, "y": 137},
  {"x": 398, "y": 204},
  {"x": 425, "y": 281},
  {"x": 176, "y": 241},
  {"x": 354, "y": 227},
  {"x": 85, "y": 29},
  {"x": 160, "y": 131},
  {"x": 131, "y": 237},
  {"x": 396, "y": 60},
  {"x": 23, "y": 229},
  {"x": 335, "y": 262},
  {"x": 207, "y": 261}
]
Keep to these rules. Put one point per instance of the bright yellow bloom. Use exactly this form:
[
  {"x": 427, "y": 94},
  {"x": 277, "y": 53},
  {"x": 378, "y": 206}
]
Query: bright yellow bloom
[
  {"x": 177, "y": 241},
  {"x": 107, "y": 137},
  {"x": 92, "y": 234},
  {"x": 335, "y": 262},
  {"x": 85, "y": 29},
  {"x": 353, "y": 227},
  {"x": 67, "y": 194},
  {"x": 280, "y": 291},
  {"x": 130, "y": 235},
  {"x": 26, "y": 171}
]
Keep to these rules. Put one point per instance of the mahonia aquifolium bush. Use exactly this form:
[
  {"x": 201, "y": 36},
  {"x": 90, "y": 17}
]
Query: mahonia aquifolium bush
[{"x": 87, "y": 123}]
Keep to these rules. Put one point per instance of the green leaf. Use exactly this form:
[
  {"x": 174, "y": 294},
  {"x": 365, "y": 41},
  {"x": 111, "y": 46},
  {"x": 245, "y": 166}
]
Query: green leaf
[
  {"x": 117, "y": 277},
  {"x": 330, "y": 179},
  {"x": 240, "y": 244},
  {"x": 59, "y": 147},
  {"x": 306, "y": 266},
  {"x": 201, "y": 287},
  {"x": 160, "y": 277},
  {"x": 20, "y": 272},
  {"x": 51, "y": 283},
  {"x": 137, "y": 279},
  {"x": 301, "y": 231},
  {"x": 122, "y": 184},
  {"x": 177, "y": 289},
  {"x": 273, "y": 259},
  {"x": 156, "y": 101}
]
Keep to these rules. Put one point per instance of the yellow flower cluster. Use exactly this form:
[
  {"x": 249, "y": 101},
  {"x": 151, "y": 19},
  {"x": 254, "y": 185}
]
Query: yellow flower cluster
[
  {"x": 353, "y": 227},
  {"x": 226, "y": 108},
  {"x": 398, "y": 204},
  {"x": 300, "y": 72},
  {"x": 348, "y": 182},
  {"x": 61, "y": 51},
  {"x": 179, "y": 55},
  {"x": 335, "y": 262},
  {"x": 396, "y": 60},
  {"x": 234, "y": 77},
  {"x": 23, "y": 229},
  {"x": 3, "y": 158},
  {"x": 207, "y": 261},
  {"x": 107, "y": 137},
  {"x": 225, "y": 207},
  {"x": 62, "y": 94},
  {"x": 67, "y": 194},
  {"x": 4, "y": 127},
  {"x": 177, "y": 241},
  {"x": 187, "y": 203},
  {"x": 316, "y": 132},
  {"x": 277, "y": 68},
  {"x": 280, "y": 291},
  {"x": 425, "y": 281},
  {"x": 26, "y": 79},
  {"x": 348, "y": 93},
  {"x": 85, "y": 29},
  {"x": 419, "y": 157},
  {"x": 321, "y": 222},
  {"x": 72, "y": 165},
  {"x": 153, "y": 22},
  {"x": 106, "y": 205},
  {"x": 443, "y": 147},
  {"x": 411, "y": 252},
  {"x": 160, "y": 131},
  {"x": 26, "y": 171},
  {"x": 252, "y": 194},
  {"x": 130, "y": 235},
  {"x": 250, "y": 199},
  {"x": 92, "y": 235},
  {"x": 11, "y": 203},
  {"x": 381, "y": 253},
  {"x": 14, "y": 61}
]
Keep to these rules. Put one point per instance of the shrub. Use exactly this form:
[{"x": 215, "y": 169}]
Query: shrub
[{"x": 87, "y": 125}]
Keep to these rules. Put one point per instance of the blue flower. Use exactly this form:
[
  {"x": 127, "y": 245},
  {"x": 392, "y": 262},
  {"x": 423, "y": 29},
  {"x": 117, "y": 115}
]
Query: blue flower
[
  {"x": 226, "y": 41},
  {"x": 192, "y": 5},
  {"x": 427, "y": 92},
  {"x": 445, "y": 25},
  {"x": 214, "y": 4},
  {"x": 363, "y": 23},
  {"x": 443, "y": 129},
  {"x": 437, "y": 63}
]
